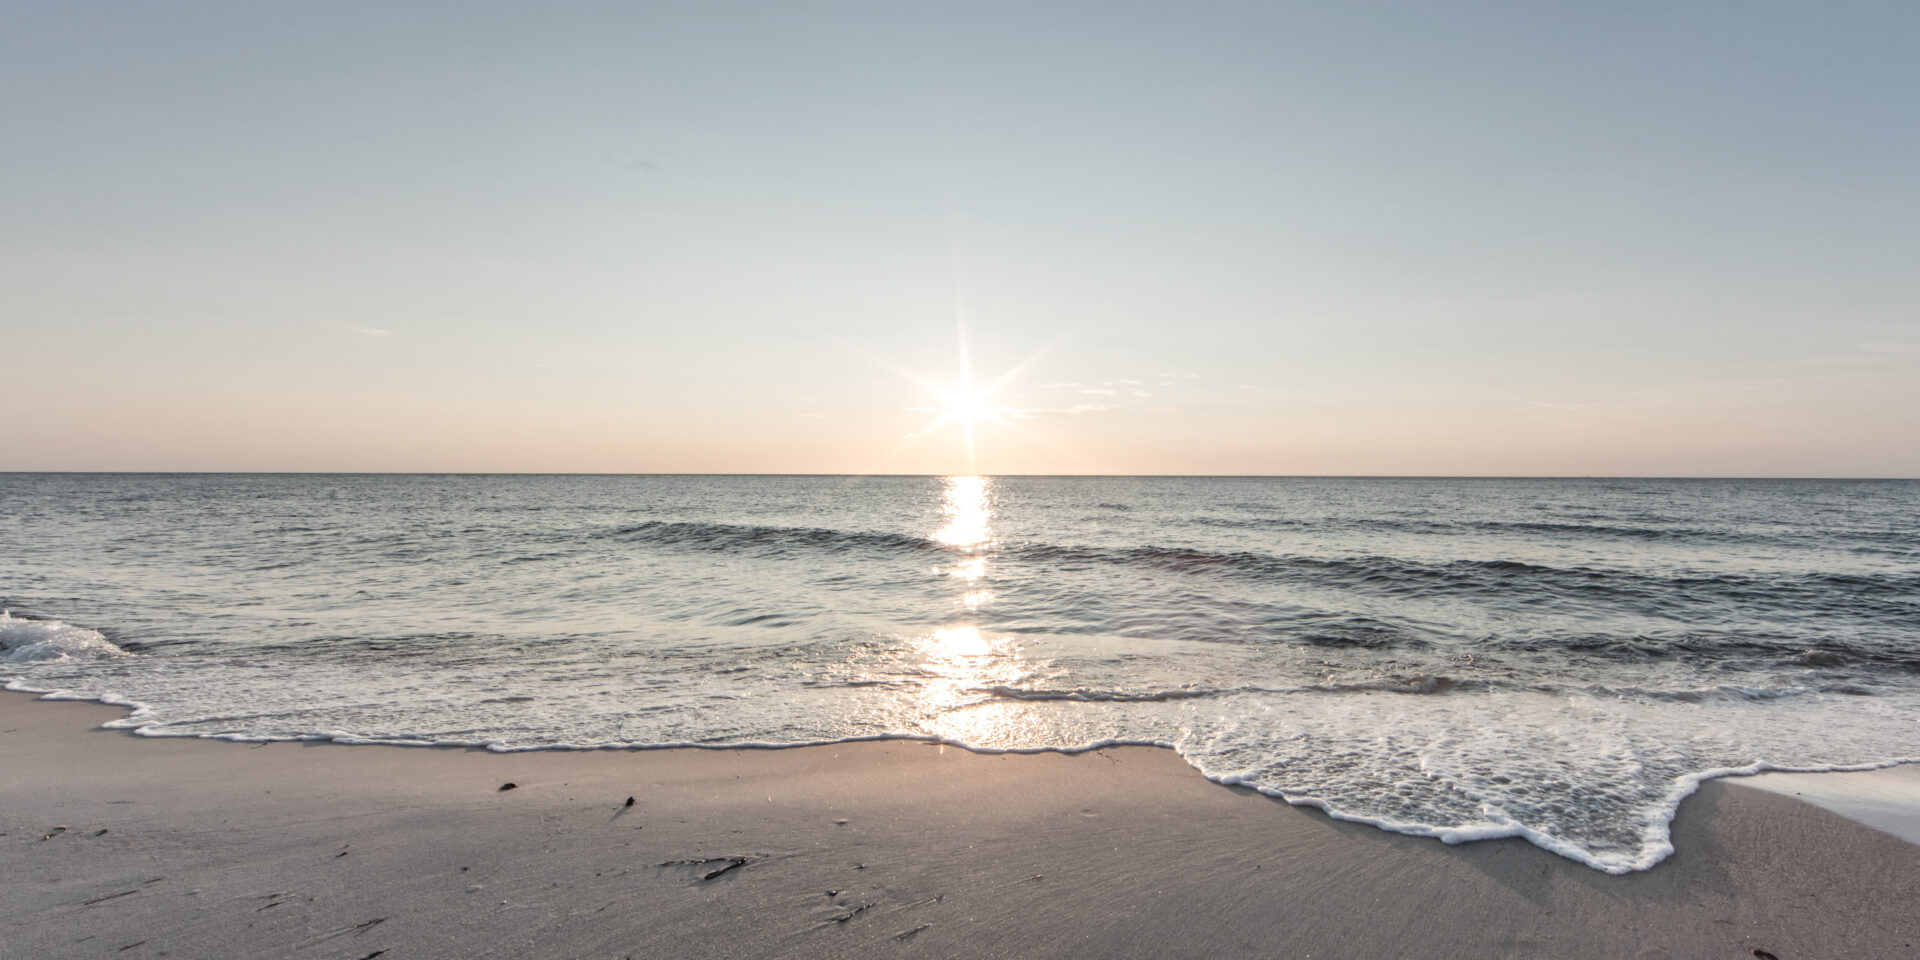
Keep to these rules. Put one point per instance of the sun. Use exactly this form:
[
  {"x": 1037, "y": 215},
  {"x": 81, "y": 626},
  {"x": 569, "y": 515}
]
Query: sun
[
  {"x": 960, "y": 404},
  {"x": 968, "y": 407}
]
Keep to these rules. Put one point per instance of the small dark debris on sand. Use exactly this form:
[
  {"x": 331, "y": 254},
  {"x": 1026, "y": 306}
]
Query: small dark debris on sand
[
  {"x": 130, "y": 946},
  {"x": 370, "y": 956},
  {"x": 509, "y": 785},
  {"x": 629, "y": 801},
  {"x": 56, "y": 831},
  {"x": 100, "y": 832},
  {"x": 1764, "y": 955},
  {"x": 110, "y": 896},
  {"x": 910, "y": 934},
  {"x": 732, "y": 863},
  {"x": 360, "y": 928}
]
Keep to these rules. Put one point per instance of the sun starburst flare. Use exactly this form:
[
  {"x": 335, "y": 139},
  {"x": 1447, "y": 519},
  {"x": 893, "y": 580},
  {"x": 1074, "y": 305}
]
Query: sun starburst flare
[{"x": 966, "y": 406}]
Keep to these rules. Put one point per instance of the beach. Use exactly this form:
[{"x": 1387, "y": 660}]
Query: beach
[
  {"x": 123, "y": 846},
  {"x": 1466, "y": 659},
  {"x": 1008, "y": 480}
]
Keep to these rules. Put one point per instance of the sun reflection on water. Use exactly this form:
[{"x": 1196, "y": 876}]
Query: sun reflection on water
[
  {"x": 960, "y": 666},
  {"x": 969, "y": 526},
  {"x": 961, "y": 671},
  {"x": 949, "y": 646},
  {"x": 960, "y": 682},
  {"x": 967, "y": 514}
]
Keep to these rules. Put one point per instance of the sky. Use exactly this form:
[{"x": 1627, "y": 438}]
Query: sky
[{"x": 1541, "y": 239}]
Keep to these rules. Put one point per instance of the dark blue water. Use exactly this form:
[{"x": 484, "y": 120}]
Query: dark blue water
[{"x": 1555, "y": 659}]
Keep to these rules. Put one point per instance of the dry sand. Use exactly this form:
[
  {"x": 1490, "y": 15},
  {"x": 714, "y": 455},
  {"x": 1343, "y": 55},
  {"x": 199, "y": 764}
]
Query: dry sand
[{"x": 202, "y": 849}]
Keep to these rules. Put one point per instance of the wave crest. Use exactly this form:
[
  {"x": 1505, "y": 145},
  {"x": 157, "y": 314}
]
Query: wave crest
[
  {"x": 44, "y": 641},
  {"x": 735, "y": 536}
]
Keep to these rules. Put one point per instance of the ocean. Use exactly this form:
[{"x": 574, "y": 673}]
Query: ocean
[{"x": 1559, "y": 660}]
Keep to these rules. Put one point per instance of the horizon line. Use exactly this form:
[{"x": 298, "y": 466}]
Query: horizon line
[{"x": 1052, "y": 476}]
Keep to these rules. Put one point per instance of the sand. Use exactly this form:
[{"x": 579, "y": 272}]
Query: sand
[
  {"x": 122, "y": 846},
  {"x": 1887, "y": 799}
]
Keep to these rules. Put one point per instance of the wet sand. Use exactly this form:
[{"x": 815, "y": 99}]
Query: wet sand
[
  {"x": 113, "y": 845},
  {"x": 1887, "y": 799}
]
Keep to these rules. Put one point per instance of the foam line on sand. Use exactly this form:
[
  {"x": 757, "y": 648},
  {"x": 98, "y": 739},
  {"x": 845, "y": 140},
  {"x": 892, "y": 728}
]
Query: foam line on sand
[{"x": 120, "y": 846}]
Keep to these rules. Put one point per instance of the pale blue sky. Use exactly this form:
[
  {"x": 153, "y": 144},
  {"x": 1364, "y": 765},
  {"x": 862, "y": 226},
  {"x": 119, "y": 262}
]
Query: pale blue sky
[{"x": 1500, "y": 238}]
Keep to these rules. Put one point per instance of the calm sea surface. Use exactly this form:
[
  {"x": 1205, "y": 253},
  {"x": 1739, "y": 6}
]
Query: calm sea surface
[{"x": 1561, "y": 660}]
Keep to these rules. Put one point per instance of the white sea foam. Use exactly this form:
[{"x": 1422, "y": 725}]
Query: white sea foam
[
  {"x": 38, "y": 641},
  {"x": 1583, "y": 778}
]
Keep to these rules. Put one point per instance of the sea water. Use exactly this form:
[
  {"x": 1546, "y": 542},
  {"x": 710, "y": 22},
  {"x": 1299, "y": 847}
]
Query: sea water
[{"x": 1560, "y": 660}]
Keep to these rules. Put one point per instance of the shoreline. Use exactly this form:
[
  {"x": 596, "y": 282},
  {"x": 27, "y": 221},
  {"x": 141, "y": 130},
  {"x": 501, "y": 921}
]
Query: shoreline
[
  {"x": 880, "y": 848},
  {"x": 1883, "y": 795}
]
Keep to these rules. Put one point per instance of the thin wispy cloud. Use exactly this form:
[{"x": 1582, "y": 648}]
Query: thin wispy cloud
[
  {"x": 1104, "y": 388},
  {"x": 1703, "y": 394},
  {"x": 1075, "y": 410}
]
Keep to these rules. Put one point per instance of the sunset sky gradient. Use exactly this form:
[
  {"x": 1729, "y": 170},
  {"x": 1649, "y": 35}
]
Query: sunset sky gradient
[{"x": 1244, "y": 238}]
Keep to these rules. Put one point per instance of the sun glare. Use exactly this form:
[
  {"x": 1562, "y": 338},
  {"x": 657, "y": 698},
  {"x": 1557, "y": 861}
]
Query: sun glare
[
  {"x": 960, "y": 404},
  {"x": 969, "y": 407},
  {"x": 968, "y": 514}
]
